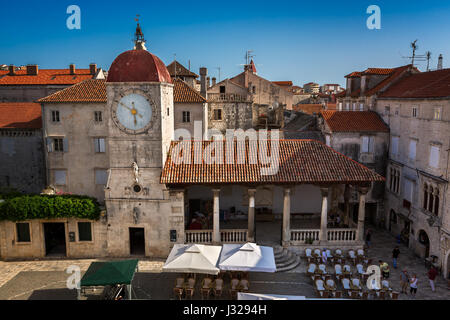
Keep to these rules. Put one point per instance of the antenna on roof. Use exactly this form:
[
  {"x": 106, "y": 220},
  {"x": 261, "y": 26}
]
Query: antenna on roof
[
  {"x": 428, "y": 54},
  {"x": 439, "y": 66},
  {"x": 414, "y": 57}
]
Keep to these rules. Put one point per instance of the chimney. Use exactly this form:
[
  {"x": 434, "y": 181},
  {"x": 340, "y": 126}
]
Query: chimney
[
  {"x": 11, "y": 70},
  {"x": 32, "y": 69},
  {"x": 208, "y": 82},
  {"x": 440, "y": 60},
  {"x": 213, "y": 81},
  {"x": 93, "y": 68},
  {"x": 203, "y": 74},
  {"x": 72, "y": 68}
]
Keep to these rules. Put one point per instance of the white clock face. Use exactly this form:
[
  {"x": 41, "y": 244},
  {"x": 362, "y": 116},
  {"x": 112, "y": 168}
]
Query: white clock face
[{"x": 134, "y": 111}]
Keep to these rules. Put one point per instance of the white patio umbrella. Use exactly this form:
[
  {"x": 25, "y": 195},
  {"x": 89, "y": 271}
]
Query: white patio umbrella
[
  {"x": 247, "y": 257},
  {"x": 193, "y": 258}
]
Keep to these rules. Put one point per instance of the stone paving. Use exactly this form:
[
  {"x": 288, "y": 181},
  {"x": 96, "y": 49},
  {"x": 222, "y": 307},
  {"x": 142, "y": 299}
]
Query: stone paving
[
  {"x": 45, "y": 279},
  {"x": 381, "y": 249}
]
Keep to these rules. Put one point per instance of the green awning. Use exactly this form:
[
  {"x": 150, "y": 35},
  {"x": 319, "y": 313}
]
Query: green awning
[{"x": 109, "y": 273}]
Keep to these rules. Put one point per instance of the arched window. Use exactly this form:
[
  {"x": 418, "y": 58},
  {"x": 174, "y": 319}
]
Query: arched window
[
  {"x": 425, "y": 196},
  {"x": 431, "y": 200},
  {"x": 436, "y": 202}
]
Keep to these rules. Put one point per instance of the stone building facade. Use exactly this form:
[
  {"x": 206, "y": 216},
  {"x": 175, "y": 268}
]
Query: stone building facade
[
  {"x": 417, "y": 193},
  {"x": 21, "y": 147},
  {"x": 364, "y": 137}
]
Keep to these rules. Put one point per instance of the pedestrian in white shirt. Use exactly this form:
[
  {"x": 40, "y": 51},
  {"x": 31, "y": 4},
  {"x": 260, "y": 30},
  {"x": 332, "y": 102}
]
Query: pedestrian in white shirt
[{"x": 413, "y": 285}]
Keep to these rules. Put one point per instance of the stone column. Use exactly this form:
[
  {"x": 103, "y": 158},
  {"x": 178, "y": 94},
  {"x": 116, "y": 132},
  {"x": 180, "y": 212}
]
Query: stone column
[
  {"x": 362, "y": 191},
  {"x": 286, "y": 239},
  {"x": 216, "y": 217},
  {"x": 346, "y": 205},
  {"x": 251, "y": 215},
  {"x": 324, "y": 215}
]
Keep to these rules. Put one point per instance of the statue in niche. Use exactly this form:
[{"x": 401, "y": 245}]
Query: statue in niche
[{"x": 136, "y": 172}]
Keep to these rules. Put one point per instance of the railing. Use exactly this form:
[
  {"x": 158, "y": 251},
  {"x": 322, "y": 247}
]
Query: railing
[
  {"x": 227, "y": 97},
  {"x": 233, "y": 235},
  {"x": 198, "y": 236},
  {"x": 206, "y": 236},
  {"x": 303, "y": 235},
  {"x": 341, "y": 234}
]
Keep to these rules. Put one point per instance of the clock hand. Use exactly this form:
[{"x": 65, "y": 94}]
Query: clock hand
[{"x": 126, "y": 106}]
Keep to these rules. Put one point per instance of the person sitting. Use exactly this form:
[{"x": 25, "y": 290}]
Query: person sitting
[
  {"x": 195, "y": 224},
  {"x": 384, "y": 267}
]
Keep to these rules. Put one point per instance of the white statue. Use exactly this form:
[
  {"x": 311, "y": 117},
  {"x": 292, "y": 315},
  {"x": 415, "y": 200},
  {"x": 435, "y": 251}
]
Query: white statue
[{"x": 136, "y": 172}]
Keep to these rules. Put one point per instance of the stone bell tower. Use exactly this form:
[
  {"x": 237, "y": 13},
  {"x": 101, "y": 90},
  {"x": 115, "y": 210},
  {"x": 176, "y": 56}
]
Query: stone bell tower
[{"x": 140, "y": 128}]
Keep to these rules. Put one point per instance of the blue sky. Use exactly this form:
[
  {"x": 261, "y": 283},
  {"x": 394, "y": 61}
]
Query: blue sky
[{"x": 301, "y": 41}]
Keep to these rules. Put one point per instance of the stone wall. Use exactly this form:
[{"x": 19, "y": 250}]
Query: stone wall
[{"x": 22, "y": 160}]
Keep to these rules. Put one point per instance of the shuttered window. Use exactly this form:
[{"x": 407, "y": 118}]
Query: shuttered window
[
  {"x": 434, "y": 157},
  {"x": 23, "y": 232},
  {"x": 84, "y": 231}
]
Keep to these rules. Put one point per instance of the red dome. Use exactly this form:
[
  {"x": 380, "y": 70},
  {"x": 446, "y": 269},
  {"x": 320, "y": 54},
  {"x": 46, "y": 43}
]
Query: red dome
[{"x": 138, "y": 66}]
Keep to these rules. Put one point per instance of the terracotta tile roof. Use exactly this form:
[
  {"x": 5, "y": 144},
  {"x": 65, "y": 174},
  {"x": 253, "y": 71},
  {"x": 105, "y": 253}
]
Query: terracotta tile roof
[
  {"x": 20, "y": 115},
  {"x": 433, "y": 84},
  {"x": 354, "y": 121},
  {"x": 183, "y": 93},
  {"x": 354, "y": 74},
  {"x": 379, "y": 71},
  {"x": 308, "y": 108},
  {"x": 46, "y": 77},
  {"x": 300, "y": 161},
  {"x": 93, "y": 90},
  {"x": 180, "y": 70},
  {"x": 397, "y": 72}
]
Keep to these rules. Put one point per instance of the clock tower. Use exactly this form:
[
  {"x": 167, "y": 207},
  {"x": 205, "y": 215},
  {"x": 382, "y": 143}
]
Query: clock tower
[{"x": 140, "y": 128}]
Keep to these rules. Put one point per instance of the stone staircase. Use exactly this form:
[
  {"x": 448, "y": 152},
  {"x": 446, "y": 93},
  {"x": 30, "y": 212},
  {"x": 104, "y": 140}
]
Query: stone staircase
[{"x": 285, "y": 260}]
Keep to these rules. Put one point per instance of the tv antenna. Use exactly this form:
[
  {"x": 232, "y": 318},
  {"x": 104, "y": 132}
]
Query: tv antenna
[
  {"x": 428, "y": 54},
  {"x": 416, "y": 57}
]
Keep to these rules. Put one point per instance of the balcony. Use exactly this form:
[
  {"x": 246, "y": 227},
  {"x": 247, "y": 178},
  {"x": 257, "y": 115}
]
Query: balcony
[{"x": 228, "y": 97}]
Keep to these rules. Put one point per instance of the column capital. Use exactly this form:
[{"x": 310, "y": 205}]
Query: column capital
[
  {"x": 215, "y": 190},
  {"x": 363, "y": 190},
  {"x": 287, "y": 190},
  {"x": 324, "y": 191},
  {"x": 251, "y": 191}
]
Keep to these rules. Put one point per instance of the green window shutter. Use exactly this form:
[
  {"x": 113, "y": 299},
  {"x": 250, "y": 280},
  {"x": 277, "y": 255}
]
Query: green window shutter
[
  {"x": 84, "y": 231},
  {"x": 23, "y": 232}
]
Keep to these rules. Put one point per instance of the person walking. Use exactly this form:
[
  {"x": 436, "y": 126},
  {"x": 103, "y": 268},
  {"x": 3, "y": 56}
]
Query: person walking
[
  {"x": 413, "y": 285},
  {"x": 404, "y": 280},
  {"x": 395, "y": 254},
  {"x": 432, "y": 273},
  {"x": 368, "y": 238}
]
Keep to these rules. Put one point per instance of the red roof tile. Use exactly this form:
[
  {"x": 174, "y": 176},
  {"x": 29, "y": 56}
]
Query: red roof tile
[
  {"x": 138, "y": 66},
  {"x": 434, "y": 84},
  {"x": 379, "y": 71},
  {"x": 354, "y": 121},
  {"x": 354, "y": 74},
  {"x": 46, "y": 77},
  {"x": 300, "y": 161},
  {"x": 20, "y": 115},
  {"x": 183, "y": 93},
  {"x": 93, "y": 90},
  {"x": 395, "y": 75},
  {"x": 308, "y": 108}
]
